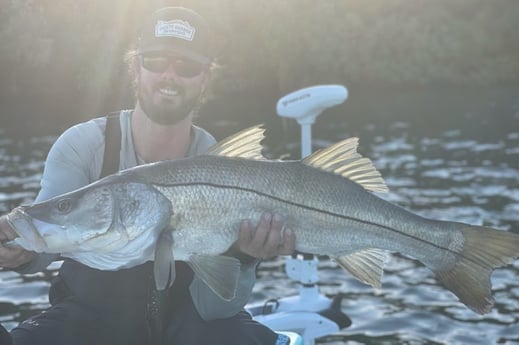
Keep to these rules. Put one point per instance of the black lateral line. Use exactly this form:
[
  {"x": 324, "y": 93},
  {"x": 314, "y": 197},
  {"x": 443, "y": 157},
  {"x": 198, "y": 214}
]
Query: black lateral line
[{"x": 249, "y": 190}]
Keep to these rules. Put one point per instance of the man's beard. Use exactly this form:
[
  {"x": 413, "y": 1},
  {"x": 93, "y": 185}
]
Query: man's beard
[{"x": 165, "y": 112}]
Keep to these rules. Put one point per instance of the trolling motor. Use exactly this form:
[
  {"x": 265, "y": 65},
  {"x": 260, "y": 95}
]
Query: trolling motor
[
  {"x": 305, "y": 105},
  {"x": 310, "y": 314}
]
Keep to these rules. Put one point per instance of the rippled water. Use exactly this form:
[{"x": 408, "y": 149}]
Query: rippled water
[
  {"x": 462, "y": 170},
  {"x": 460, "y": 174}
]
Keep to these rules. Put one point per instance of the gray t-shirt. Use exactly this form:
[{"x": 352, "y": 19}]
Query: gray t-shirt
[{"x": 76, "y": 159}]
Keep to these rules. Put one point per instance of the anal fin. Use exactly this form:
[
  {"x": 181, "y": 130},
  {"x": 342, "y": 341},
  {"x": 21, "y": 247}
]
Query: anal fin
[{"x": 365, "y": 265}]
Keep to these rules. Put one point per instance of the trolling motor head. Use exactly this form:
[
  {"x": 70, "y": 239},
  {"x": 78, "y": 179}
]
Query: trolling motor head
[{"x": 306, "y": 104}]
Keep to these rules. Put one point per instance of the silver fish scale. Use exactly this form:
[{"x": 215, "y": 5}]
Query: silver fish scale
[{"x": 331, "y": 215}]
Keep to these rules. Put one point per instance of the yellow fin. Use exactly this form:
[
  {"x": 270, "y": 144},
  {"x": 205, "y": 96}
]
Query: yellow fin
[
  {"x": 342, "y": 159},
  {"x": 484, "y": 249},
  {"x": 244, "y": 144},
  {"x": 365, "y": 265}
]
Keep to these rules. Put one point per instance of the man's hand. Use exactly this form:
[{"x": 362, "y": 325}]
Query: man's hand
[
  {"x": 11, "y": 257},
  {"x": 270, "y": 238}
]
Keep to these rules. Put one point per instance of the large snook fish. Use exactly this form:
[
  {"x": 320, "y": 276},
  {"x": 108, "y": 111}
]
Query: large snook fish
[{"x": 191, "y": 209}]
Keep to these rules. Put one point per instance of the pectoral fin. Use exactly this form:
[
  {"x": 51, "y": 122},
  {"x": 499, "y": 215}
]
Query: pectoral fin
[
  {"x": 164, "y": 264},
  {"x": 220, "y": 273},
  {"x": 365, "y": 265}
]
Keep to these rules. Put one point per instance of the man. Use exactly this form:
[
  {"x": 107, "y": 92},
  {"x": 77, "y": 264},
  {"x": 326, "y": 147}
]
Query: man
[{"x": 172, "y": 70}]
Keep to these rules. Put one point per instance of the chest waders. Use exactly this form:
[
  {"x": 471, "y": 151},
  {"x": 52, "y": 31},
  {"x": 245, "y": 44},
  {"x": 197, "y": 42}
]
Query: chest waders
[{"x": 126, "y": 300}]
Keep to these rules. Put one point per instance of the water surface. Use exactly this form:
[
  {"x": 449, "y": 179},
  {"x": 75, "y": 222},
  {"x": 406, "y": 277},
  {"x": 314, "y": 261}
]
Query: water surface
[{"x": 464, "y": 169}]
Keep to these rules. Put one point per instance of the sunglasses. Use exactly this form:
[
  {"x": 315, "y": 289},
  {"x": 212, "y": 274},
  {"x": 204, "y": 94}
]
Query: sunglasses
[{"x": 184, "y": 68}]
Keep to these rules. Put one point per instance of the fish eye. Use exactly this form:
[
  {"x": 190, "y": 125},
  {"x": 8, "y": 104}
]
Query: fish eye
[{"x": 64, "y": 205}]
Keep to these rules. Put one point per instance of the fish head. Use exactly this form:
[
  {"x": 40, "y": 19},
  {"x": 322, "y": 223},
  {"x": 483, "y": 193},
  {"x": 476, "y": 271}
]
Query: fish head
[
  {"x": 109, "y": 216},
  {"x": 66, "y": 222}
]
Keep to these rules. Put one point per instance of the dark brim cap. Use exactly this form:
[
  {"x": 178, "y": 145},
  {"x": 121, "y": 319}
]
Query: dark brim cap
[{"x": 178, "y": 30}]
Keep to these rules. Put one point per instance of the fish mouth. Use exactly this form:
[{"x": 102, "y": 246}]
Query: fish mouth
[{"x": 29, "y": 236}]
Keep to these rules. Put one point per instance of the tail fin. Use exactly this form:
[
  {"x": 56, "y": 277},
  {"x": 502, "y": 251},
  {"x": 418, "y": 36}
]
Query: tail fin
[{"x": 484, "y": 250}]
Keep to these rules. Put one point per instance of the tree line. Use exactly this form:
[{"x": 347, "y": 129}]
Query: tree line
[{"x": 62, "y": 60}]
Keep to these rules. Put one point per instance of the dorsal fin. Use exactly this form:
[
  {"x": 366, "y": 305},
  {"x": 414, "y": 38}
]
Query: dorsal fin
[
  {"x": 342, "y": 159},
  {"x": 244, "y": 144}
]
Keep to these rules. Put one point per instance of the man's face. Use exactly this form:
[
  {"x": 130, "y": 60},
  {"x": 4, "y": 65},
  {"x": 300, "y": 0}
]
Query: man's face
[{"x": 169, "y": 87}]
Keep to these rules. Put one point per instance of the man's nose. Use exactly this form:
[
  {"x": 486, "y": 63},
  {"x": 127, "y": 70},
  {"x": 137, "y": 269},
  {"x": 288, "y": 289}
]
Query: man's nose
[{"x": 170, "y": 72}]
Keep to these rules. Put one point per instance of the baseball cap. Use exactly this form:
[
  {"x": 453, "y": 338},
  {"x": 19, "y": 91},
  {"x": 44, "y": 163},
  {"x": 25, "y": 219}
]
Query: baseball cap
[{"x": 177, "y": 30}]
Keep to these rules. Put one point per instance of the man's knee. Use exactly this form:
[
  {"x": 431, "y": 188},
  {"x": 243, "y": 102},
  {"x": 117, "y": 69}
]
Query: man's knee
[
  {"x": 5, "y": 337},
  {"x": 64, "y": 323},
  {"x": 240, "y": 329}
]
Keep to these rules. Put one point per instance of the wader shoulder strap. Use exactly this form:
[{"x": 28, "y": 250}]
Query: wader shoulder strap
[
  {"x": 59, "y": 290},
  {"x": 112, "y": 153},
  {"x": 156, "y": 300}
]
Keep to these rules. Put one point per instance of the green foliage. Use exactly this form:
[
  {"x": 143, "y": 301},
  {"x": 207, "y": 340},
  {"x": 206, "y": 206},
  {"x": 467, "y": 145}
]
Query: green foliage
[
  {"x": 415, "y": 42},
  {"x": 66, "y": 55}
]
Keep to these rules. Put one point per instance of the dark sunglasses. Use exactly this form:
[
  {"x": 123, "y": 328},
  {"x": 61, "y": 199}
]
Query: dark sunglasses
[{"x": 184, "y": 68}]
